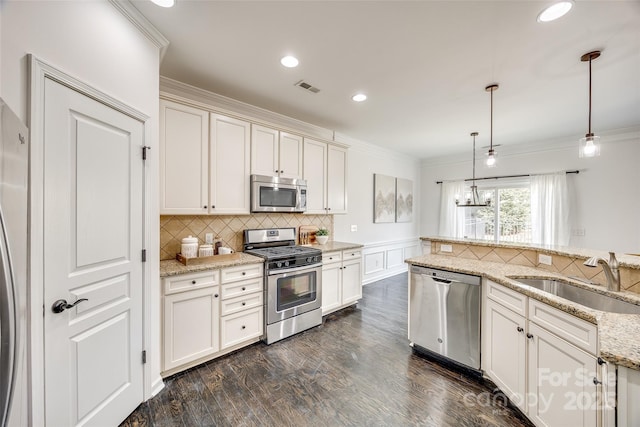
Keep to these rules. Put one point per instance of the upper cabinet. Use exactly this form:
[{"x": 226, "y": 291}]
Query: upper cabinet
[
  {"x": 229, "y": 165},
  {"x": 204, "y": 162},
  {"x": 325, "y": 169},
  {"x": 275, "y": 153},
  {"x": 184, "y": 159}
]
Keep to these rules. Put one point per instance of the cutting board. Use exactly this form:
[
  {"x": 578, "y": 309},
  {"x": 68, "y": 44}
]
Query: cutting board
[{"x": 307, "y": 234}]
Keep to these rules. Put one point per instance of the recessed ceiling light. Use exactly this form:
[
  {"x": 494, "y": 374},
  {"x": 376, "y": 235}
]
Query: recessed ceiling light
[
  {"x": 164, "y": 3},
  {"x": 555, "y": 11},
  {"x": 289, "y": 61},
  {"x": 359, "y": 97}
]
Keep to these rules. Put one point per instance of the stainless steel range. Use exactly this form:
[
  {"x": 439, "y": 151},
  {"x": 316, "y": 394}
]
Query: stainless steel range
[{"x": 293, "y": 281}]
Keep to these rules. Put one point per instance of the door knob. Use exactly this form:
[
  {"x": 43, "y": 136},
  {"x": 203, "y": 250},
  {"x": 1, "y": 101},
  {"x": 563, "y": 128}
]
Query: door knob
[{"x": 61, "y": 305}]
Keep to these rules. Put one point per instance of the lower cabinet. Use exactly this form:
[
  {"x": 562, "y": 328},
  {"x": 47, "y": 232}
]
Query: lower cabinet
[
  {"x": 542, "y": 358},
  {"x": 208, "y": 314},
  {"x": 341, "y": 279}
]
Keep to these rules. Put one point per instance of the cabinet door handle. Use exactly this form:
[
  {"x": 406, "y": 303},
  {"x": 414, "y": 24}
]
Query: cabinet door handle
[
  {"x": 520, "y": 329},
  {"x": 530, "y": 336}
]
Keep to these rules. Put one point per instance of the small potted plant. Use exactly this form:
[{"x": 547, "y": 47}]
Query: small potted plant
[{"x": 322, "y": 235}]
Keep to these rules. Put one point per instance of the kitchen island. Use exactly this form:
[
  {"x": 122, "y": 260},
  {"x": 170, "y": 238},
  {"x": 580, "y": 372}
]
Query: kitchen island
[{"x": 527, "y": 332}]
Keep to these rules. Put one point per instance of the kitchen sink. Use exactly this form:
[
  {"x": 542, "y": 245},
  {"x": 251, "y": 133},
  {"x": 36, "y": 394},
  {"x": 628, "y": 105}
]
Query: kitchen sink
[{"x": 580, "y": 295}]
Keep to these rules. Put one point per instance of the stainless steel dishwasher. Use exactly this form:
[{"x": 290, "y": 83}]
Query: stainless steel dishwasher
[{"x": 444, "y": 316}]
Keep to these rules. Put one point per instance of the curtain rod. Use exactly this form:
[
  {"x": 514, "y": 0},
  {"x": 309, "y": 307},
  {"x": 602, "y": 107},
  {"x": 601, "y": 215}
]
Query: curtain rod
[{"x": 507, "y": 176}]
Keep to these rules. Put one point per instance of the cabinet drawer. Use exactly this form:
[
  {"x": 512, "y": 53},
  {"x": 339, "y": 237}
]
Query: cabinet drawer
[
  {"x": 509, "y": 298},
  {"x": 243, "y": 302},
  {"x": 187, "y": 282},
  {"x": 351, "y": 254},
  {"x": 330, "y": 257},
  {"x": 242, "y": 326},
  {"x": 235, "y": 289},
  {"x": 578, "y": 332},
  {"x": 241, "y": 272}
]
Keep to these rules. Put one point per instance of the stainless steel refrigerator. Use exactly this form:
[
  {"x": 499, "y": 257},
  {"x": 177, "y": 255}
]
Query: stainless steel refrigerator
[{"x": 14, "y": 150}]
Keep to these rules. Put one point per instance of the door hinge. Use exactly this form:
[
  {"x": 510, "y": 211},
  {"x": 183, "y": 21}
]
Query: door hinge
[
  {"x": 144, "y": 151},
  {"x": 144, "y": 356},
  {"x": 144, "y": 255}
]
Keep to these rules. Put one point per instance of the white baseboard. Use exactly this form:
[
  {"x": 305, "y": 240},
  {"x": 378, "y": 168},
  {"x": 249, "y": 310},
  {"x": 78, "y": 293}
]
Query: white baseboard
[{"x": 156, "y": 386}]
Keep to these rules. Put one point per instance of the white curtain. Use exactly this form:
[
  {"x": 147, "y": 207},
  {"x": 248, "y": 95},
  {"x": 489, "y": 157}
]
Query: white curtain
[
  {"x": 451, "y": 216},
  {"x": 550, "y": 209}
]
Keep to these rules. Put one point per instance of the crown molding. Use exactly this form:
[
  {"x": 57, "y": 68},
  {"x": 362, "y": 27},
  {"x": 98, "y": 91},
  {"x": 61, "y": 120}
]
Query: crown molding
[
  {"x": 173, "y": 89},
  {"x": 371, "y": 149},
  {"x": 129, "y": 11}
]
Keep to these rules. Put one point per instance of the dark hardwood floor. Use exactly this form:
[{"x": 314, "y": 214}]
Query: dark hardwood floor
[{"x": 356, "y": 369}]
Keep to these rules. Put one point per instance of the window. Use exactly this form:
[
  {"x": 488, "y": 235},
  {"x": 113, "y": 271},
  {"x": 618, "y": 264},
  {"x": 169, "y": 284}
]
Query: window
[{"x": 508, "y": 219}]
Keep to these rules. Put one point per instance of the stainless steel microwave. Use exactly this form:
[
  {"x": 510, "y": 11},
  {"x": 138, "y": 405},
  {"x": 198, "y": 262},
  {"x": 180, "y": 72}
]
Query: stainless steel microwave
[{"x": 275, "y": 194}]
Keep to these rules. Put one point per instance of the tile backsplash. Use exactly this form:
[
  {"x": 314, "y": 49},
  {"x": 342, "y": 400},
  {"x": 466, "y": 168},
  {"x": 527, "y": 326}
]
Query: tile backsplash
[
  {"x": 565, "y": 265},
  {"x": 228, "y": 227}
]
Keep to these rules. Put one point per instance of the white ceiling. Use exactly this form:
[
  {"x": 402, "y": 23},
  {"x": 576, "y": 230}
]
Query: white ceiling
[{"x": 423, "y": 64}]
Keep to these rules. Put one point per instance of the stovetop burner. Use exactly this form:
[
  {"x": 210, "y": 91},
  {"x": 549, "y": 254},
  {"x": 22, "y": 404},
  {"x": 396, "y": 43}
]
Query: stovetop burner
[{"x": 277, "y": 246}]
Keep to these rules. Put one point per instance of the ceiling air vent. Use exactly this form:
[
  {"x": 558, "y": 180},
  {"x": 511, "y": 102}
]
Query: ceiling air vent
[{"x": 307, "y": 86}]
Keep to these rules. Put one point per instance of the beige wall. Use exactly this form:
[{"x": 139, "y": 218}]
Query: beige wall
[{"x": 228, "y": 227}]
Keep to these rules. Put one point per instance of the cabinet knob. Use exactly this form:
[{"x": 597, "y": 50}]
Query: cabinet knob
[
  {"x": 596, "y": 381},
  {"x": 213, "y": 206},
  {"x": 344, "y": 268},
  {"x": 244, "y": 327},
  {"x": 244, "y": 274},
  {"x": 204, "y": 207},
  {"x": 520, "y": 329},
  {"x": 244, "y": 289},
  {"x": 193, "y": 282},
  {"x": 215, "y": 295},
  {"x": 601, "y": 361},
  {"x": 244, "y": 303},
  {"x": 530, "y": 336},
  {"x": 276, "y": 171}
]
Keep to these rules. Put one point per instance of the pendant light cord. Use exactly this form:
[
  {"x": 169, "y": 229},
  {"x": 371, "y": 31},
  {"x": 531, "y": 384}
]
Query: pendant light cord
[
  {"x": 590, "y": 95},
  {"x": 474, "y": 160},
  {"x": 491, "y": 127}
]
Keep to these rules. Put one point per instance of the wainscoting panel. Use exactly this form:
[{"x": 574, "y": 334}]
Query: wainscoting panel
[{"x": 386, "y": 259}]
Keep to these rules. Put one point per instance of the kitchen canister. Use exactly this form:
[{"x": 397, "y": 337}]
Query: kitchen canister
[
  {"x": 189, "y": 247},
  {"x": 205, "y": 250}
]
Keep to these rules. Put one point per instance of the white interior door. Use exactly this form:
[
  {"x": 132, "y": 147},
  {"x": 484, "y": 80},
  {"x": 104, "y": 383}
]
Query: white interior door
[{"x": 93, "y": 239}]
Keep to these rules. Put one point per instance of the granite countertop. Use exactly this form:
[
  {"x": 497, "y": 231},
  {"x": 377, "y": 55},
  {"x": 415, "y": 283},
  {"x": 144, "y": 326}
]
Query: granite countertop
[
  {"x": 617, "y": 333},
  {"x": 336, "y": 246},
  {"x": 625, "y": 260},
  {"x": 172, "y": 267}
]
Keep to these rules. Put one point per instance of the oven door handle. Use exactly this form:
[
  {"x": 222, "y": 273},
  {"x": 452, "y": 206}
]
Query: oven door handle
[{"x": 295, "y": 269}]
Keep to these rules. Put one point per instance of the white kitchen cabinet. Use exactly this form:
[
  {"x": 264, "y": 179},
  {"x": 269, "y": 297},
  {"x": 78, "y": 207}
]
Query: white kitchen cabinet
[
  {"x": 628, "y": 388},
  {"x": 504, "y": 351},
  {"x": 542, "y": 358},
  {"x": 325, "y": 170},
  {"x": 184, "y": 159},
  {"x": 275, "y": 153},
  {"x": 229, "y": 165},
  {"x": 561, "y": 388},
  {"x": 191, "y": 326},
  {"x": 204, "y": 162},
  {"x": 337, "y": 179},
  {"x": 208, "y": 314},
  {"x": 341, "y": 279},
  {"x": 242, "y": 305}
]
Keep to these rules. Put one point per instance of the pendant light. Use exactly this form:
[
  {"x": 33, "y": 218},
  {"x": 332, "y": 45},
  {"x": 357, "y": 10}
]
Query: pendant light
[
  {"x": 491, "y": 155},
  {"x": 472, "y": 199},
  {"x": 590, "y": 144}
]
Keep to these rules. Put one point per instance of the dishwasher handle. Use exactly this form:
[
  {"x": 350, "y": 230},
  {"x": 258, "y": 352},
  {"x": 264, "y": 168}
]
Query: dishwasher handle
[{"x": 447, "y": 281}]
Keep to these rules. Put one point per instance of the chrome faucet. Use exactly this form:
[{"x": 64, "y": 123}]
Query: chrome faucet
[{"x": 610, "y": 269}]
